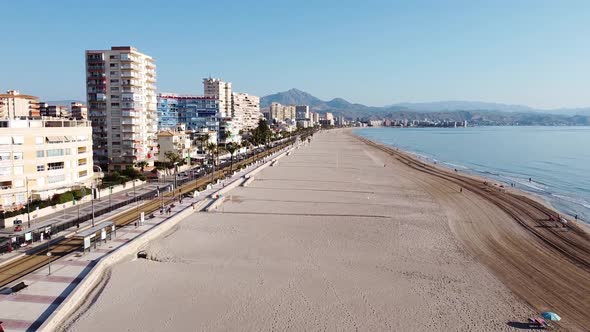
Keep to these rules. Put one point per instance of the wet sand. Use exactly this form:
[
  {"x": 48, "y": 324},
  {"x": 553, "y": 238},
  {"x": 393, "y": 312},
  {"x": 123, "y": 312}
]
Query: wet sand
[{"x": 330, "y": 239}]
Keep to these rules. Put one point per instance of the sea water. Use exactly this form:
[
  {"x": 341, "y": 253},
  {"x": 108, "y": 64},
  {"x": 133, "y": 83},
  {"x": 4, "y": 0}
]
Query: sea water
[{"x": 555, "y": 159}]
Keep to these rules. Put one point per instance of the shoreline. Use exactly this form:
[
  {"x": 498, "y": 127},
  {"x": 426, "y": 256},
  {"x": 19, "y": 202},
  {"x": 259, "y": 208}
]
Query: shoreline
[
  {"x": 572, "y": 250},
  {"x": 520, "y": 188}
]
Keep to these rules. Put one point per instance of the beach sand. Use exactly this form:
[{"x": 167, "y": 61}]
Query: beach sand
[{"x": 328, "y": 239}]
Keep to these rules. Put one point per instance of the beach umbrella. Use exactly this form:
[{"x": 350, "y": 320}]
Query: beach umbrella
[{"x": 550, "y": 316}]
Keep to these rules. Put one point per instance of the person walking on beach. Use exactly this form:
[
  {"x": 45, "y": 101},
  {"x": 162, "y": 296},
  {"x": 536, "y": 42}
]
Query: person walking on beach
[{"x": 461, "y": 189}]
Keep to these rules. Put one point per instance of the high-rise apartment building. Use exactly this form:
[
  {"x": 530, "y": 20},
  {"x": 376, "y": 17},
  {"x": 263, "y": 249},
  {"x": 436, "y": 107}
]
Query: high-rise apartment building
[
  {"x": 13, "y": 104},
  {"x": 121, "y": 94},
  {"x": 282, "y": 112},
  {"x": 39, "y": 158},
  {"x": 218, "y": 89},
  {"x": 246, "y": 110},
  {"x": 79, "y": 111}
]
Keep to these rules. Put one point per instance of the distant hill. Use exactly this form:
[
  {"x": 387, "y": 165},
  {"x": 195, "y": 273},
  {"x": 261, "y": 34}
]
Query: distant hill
[
  {"x": 478, "y": 112},
  {"x": 291, "y": 97}
]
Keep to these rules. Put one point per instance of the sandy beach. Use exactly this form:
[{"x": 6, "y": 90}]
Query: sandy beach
[{"x": 341, "y": 235}]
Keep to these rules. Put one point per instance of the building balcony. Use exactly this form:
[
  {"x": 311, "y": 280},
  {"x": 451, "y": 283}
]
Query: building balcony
[
  {"x": 128, "y": 122},
  {"x": 129, "y": 74},
  {"x": 130, "y": 114},
  {"x": 131, "y": 83},
  {"x": 131, "y": 137},
  {"x": 128, "y": 66},
  {"x": 127, "y": 58},
  {"x": 130, "y": 129}
]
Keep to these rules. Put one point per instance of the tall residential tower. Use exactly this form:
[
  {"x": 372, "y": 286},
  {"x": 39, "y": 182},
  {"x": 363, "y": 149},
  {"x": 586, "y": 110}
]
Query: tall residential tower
[{"x": 121, "y": 94}]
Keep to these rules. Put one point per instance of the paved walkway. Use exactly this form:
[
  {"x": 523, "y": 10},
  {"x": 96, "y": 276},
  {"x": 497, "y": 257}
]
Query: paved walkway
[
  {"x": 72, "y": 213},
  {"x": 28, "y": 309}
]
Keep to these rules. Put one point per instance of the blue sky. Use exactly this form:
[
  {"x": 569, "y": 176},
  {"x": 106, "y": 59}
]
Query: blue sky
[{"x": 373, "y": 52}]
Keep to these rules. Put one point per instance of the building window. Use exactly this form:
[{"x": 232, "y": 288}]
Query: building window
[
  {"x": 5, "y": 140},
  {"x": 5, "y": 170},
  {"x": 81, "y": 149},
  {"x": 18, "y": 183},
  {"x": 114, "y": 57},
  {"x": 20, "y": 199},
  {"x": 56, "y": 178},
  {"x": 40, "y": 168},
  {"x": 114, "y": 73},
  {"x": 54, "y": 166},
  {"x": 55, "y": 152},
  {"x": 114, "y": 88},
  {"x": 17, "y": 155},
  {"x": 82, "y": 162},
  {"x": 113, "y": 65},
  {"x": 19, "y": 170},
  {"x": 68, "y": 151},
  {"x": 39, "y": 140},
  {"x": 40, "y": 153},
  {"x": 18, "y": 140},
  {"x": 4, "y": 155},
  {"x": 114, "y": 104},
  {"x": 82, "y": 174},
  {"x": 115, "y": 81}
]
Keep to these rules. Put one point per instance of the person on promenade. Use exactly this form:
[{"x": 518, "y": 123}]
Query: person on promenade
[{"x": 461, "y": 189}]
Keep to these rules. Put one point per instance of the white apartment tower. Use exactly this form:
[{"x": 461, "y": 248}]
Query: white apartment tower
[
  {"x": 246, "y": 110},
  {"x": 121, "y": 94},
  {"x": 218, "y": 89}
]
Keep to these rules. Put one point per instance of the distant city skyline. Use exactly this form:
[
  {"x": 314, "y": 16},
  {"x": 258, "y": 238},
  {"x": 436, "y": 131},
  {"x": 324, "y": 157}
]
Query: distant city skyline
[{"x": 515, "y": 52}]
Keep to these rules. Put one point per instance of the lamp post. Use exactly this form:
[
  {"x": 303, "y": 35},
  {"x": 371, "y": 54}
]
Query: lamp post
[
  {"x": 49, "y": 255},
  {"x": 28, "y": 203},
  {"x": 136, "y": 201},
  {"x": 92, "y": 203}
]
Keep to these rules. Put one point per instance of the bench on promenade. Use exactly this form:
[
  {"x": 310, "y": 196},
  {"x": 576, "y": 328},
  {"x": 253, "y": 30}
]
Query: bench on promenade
[{"x": 18, "y": 287}]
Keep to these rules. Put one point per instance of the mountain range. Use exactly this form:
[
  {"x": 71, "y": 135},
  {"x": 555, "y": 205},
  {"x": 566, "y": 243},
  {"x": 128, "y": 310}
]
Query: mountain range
[{"x": 341, "y": 106}]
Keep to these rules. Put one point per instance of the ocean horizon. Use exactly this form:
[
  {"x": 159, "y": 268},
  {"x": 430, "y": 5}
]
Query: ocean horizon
[{"x": 550, "y": 162}]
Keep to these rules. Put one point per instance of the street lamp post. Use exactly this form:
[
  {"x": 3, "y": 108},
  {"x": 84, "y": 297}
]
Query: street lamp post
[
  {"x": 136, "y": 201},
  {"x": 49, "y": 262},
  {"x": 92, "y": 200},
  {"x": 28, "y": 203}
]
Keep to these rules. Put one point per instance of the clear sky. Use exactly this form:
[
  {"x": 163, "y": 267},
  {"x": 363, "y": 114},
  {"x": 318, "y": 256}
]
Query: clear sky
[{"x": 533, "y": 52}]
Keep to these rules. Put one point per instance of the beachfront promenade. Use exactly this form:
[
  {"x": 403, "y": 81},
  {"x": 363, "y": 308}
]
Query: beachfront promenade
[
  {"x": 335, "y": 236},
  {"x": 35, "y": 306}
]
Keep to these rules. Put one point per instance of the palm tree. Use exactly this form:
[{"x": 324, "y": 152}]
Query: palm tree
[
  {"x": 142, "y": 164},
  {"x": 173, "y": 158},
  {"x": 203, "y": 139},
  {"x": 211, "y": 148},
  {"x": 231, "y": 148}
]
